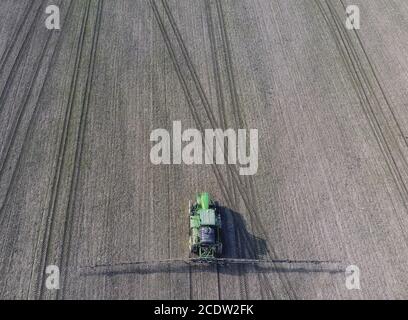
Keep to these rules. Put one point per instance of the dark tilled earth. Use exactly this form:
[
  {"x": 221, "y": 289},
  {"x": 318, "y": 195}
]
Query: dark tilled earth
[{"x": 78, "y": 189}]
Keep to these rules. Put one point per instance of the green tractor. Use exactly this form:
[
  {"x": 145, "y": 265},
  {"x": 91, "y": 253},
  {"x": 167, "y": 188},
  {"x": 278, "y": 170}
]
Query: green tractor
[
  {"x": 205, "y": 245},
  {"x": 205, "y": 228}
]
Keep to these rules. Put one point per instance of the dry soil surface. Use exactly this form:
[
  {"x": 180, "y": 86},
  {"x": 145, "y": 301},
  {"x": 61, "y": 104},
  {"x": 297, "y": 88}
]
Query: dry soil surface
[{"x": 78, "y": 105}]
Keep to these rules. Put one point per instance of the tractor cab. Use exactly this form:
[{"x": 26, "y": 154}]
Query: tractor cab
[{"x": 205, "y": 228}]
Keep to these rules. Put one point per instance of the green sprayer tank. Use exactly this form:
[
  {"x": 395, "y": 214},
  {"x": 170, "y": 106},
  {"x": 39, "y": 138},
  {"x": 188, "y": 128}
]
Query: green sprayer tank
[{"x": 205, "y": 227}]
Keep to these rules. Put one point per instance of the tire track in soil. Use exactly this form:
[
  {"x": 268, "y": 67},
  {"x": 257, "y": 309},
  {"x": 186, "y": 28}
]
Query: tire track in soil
[
  {"x": 360, "y": 79},
  {"x": 250, "y": 185},
  {"x": 348, "y": 42},
  {"x": 201, "y": 94},
  {"x": 217, "y": 76},
  {"x": 222, "y": 113},
  {"x": 4, "y": 157},
  {"x": 221, "y": 103},
  {"x": 66, "y": 240},
  {"x": 240, "y": 123},
  {"x": 109, "y": 219},
  {"x": 17, "y": 121},
  {"x": 11, "y": 136},
  {"x": 14, "y": 37},
  {"x": 208, "y": 110},
  {"x": 187, "y": 93},
  {"x": 11, "y": 139},
  {"x": 48, "y": 220},
  {"x": 20, "y": 56},
  {"x": 250, "y": 205},
  {"x": 250, "y": 202},
  {"x": 189, "y": 100},
  {"x": 34, "y": 115}
]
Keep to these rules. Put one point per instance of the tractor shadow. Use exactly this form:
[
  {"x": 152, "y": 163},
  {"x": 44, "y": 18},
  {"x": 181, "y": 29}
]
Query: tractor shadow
[{"x": 238, "y": 243}]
